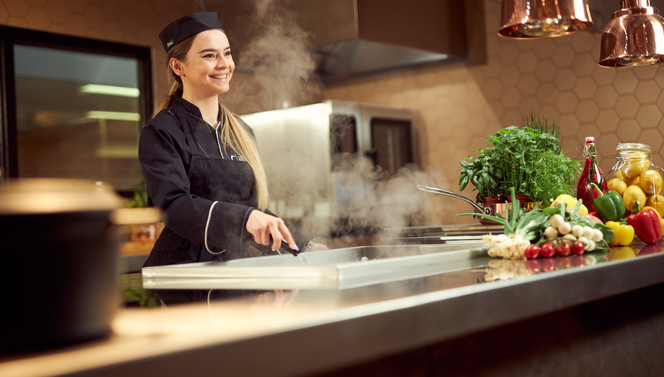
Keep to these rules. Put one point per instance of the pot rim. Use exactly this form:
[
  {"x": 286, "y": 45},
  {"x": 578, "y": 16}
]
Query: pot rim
[{"x": 25, "y": 196}]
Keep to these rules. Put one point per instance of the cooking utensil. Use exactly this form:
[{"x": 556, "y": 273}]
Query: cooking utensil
[
  {"x": 492, "y": 209},
  {"x": 60, "y": 249},
  {"x": 440, "y": 191},
  {"x": 285, "y": 246}
]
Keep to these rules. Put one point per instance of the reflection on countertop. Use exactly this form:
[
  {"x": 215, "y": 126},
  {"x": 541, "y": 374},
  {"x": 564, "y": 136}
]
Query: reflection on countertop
[{"x": 307, "y": 331}]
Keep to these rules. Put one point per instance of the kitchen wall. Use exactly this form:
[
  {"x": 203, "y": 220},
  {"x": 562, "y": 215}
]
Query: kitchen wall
[{"x": 458, "y": 106}]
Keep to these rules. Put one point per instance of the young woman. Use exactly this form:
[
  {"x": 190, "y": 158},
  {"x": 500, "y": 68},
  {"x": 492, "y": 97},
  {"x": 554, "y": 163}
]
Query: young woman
[{"x": 200, "y": 161}]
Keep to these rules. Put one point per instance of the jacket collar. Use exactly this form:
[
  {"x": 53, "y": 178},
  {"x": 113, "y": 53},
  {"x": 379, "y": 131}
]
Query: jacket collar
[{"x": 191, "y": 108}]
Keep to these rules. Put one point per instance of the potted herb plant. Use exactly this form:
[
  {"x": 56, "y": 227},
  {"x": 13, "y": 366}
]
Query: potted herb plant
[{"x": 527, "y": 158}]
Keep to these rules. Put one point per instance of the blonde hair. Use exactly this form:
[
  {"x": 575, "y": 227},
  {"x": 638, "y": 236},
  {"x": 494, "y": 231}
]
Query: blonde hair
[{"x": 233, "y": 133}]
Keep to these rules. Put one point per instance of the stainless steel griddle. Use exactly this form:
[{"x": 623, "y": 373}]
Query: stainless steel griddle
[{"x": 328, "y": 269}]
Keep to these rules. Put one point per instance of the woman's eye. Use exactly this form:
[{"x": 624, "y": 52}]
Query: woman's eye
[
  {"x": 227, "y": 53},
  {"x": 208, "y": 56}
]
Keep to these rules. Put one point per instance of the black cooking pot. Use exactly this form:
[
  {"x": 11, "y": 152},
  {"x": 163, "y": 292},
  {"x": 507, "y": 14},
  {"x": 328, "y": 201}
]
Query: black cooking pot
[{"x": 59, "y": 250}]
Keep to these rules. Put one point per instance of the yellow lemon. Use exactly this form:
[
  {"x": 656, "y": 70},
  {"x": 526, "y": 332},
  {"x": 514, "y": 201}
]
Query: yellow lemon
[
  {"x": 656, "y": 202},
  {"x": 617, "y": 185},
  {"x": 651, "y": 182},
  {"x": 635, "y": 164},
  {"x": 633, "y": 197},
  {"x": 570, "y": 202}
]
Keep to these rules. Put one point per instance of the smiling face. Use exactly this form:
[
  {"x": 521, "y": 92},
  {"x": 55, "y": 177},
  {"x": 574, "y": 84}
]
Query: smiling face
[{"x": 208, "y": 67}]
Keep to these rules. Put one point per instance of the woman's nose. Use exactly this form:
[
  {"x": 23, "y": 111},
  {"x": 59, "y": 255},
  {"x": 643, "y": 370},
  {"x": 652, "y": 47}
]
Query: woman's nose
[{"x": 223, "y": 62}]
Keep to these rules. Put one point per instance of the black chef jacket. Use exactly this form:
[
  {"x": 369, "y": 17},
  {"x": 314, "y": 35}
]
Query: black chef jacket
[{"x": 205, "y": 188}]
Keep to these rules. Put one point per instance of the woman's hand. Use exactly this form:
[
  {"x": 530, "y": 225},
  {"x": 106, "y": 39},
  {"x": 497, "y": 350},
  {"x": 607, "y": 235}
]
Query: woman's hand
[{"x": 262, "y": 226}]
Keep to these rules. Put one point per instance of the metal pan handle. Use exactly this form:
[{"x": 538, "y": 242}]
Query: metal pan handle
[{"x": 435, "y": 190}]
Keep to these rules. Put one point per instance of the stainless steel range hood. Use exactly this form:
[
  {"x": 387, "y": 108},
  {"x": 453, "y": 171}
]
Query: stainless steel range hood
[
  {"x": 352, "y": 38},
  {"x": 358, "y": 37}
]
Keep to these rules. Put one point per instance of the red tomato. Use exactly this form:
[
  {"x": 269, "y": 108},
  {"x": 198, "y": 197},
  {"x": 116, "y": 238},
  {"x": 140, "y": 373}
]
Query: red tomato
[
  {"x": 548, "y": 264},
  {"x": 533, "y": 266},
  {"x": 547, "y": 250},
  {"x": 578, "y": 248},
  {"x": 563, "y": 250},
  {"x": 532, "y": 251}
]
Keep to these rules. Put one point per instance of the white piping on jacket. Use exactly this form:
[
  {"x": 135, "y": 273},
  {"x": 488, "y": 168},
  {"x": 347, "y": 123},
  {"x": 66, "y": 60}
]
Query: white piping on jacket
[{"x": 207, "y": 225}]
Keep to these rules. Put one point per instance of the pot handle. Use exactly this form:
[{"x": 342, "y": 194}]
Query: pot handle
[
  {"x": 435, "y": 190},
  {"x": 136, "y": 216}
]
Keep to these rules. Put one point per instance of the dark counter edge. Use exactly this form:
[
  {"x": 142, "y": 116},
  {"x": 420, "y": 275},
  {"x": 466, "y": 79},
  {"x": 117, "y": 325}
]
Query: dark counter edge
[{"x": 413, "y": 322}]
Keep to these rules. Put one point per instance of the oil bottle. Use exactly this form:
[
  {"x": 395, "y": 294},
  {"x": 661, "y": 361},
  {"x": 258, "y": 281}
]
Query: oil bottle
[{"x": 591, "y": 174}]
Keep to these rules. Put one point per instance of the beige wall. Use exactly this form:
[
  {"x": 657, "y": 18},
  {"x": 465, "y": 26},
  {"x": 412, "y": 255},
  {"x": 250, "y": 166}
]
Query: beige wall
[{"x": 459, "y": 106}]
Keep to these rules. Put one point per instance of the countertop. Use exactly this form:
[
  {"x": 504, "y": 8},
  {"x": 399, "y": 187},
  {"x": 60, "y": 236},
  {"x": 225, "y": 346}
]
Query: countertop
[{"x": 304, "y": 332}]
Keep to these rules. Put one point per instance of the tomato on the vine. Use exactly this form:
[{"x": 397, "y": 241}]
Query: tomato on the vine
[
  {"x": 563, "y": 249},
  {"x": 547, "y": 250},
  {"x": 532, "y": 251},
  {"x": 578, "y": 248}
]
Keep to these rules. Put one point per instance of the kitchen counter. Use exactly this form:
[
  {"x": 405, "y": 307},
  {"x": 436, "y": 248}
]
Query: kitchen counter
[{"x": 416, "y": 326}]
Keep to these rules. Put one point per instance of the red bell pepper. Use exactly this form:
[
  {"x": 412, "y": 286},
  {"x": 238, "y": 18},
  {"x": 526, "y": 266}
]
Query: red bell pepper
[{"x": 646, "y": 225}]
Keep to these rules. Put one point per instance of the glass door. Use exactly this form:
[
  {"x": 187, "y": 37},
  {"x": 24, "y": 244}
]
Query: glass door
[{"x": 75, "y": 108}]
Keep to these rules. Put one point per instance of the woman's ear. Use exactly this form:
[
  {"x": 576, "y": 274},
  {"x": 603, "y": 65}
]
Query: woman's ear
[{"x": 176, "y": 66}]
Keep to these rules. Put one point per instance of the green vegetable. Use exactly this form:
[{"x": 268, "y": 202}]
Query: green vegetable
[
  {"x": 517, "y": 221},
  {"x": 481, "y": 173},
  {"x": 609, "y": 206},
  {"x": 554, "y": 175},
  {"x": 529, "y": 159}
]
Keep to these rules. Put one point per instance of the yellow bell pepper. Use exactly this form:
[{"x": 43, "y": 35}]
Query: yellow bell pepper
[{"x": 623, "y": 233}]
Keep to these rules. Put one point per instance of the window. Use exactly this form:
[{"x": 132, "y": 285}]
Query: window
[{"x": 74, "y": 108}]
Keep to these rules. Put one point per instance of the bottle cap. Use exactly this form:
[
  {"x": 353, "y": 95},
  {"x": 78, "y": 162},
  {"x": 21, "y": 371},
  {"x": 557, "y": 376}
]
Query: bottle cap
[{"x": 590, "y": 139}]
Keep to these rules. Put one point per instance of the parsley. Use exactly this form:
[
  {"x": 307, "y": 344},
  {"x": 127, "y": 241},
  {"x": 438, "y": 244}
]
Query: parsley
[{"x": 528, "y": 159}]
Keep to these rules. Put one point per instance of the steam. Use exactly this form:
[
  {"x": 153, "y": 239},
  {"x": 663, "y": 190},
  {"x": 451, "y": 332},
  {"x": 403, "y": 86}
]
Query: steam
[
  {"x": 370, "y": 202},
  {"x": 276, "y": 58}
]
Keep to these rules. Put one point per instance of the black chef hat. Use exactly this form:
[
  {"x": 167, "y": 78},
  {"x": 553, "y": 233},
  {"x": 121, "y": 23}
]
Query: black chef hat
[{"x": 188, "y": 26}]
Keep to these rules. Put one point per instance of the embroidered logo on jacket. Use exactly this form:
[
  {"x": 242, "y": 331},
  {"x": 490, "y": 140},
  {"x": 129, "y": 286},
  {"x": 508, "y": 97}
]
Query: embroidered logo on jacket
[{"x": 237, "y": 157}]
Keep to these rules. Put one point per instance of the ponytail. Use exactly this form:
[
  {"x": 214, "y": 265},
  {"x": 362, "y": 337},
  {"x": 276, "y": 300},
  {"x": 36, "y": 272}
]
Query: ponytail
[
  {"x": 176, "y": 91},
  {"x": 234, "y": 134}
]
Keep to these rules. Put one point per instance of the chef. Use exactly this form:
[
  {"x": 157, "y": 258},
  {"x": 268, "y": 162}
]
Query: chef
[{"x": 200, "y": 161}]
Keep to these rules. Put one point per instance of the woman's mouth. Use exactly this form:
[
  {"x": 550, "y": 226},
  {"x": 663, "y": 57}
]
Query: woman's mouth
[{"x": 219, "y": 77}]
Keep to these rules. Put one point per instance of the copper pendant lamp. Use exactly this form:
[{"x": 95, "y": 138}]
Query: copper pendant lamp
[
  {"x": 633, "y": 37},
  {"x": 543, "y": 18}
]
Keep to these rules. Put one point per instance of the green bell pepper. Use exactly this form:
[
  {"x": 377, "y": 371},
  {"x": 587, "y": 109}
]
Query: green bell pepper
[{"x": 609, "y": 206}]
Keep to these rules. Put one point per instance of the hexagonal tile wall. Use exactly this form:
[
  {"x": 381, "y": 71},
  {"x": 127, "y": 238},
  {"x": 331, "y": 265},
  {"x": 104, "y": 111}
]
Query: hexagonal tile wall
[{"x": 559, "y": 78}]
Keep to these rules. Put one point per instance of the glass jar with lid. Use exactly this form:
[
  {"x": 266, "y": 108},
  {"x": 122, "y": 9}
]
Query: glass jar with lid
[{"x": 637, "y": 178}]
